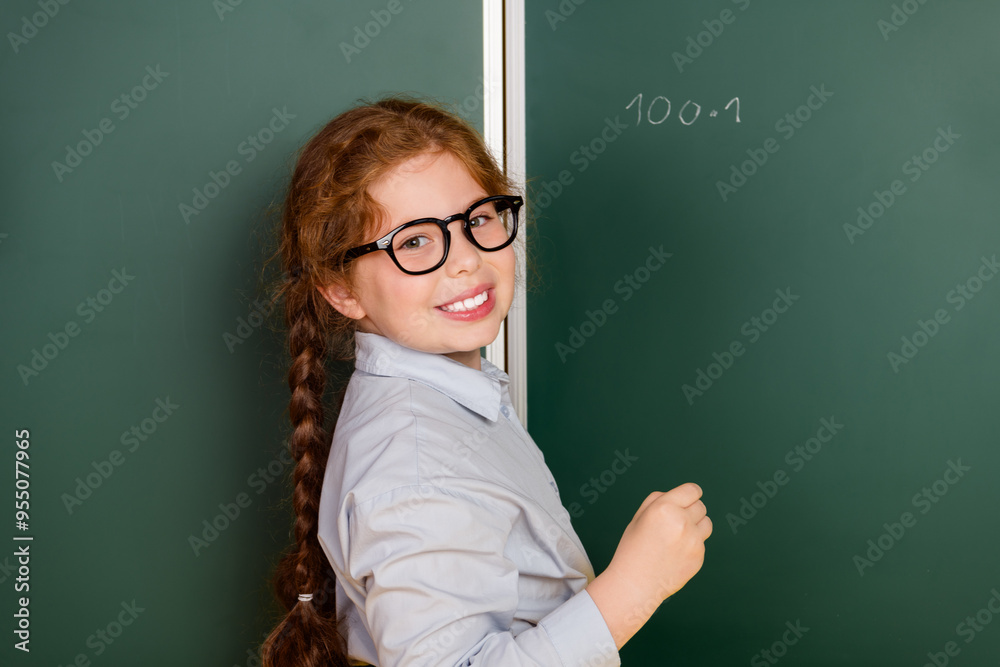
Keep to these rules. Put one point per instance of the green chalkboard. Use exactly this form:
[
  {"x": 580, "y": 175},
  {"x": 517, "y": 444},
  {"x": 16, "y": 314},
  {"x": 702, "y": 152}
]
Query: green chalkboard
[
  {"x": 142, "y": 145},
  {"x": 767, "y": 239}
]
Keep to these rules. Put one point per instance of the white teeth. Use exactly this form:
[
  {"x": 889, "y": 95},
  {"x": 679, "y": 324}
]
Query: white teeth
[{"x": 467, "y": 304}]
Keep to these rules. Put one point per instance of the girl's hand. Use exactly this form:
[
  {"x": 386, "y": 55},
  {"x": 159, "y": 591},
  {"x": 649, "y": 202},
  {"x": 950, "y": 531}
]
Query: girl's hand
[{"x": 663, "y": 546}]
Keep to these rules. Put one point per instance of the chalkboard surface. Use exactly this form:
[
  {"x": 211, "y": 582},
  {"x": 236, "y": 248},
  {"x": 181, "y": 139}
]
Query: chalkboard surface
[
  {"x": 142, "y": 144},
  {"x": 768, "y": 246}
]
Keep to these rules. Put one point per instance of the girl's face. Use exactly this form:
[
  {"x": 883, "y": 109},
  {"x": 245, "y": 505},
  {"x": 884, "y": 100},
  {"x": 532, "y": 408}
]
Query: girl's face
[{"x": 411, "y": 309}]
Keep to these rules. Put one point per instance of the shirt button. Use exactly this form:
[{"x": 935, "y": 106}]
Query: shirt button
[{"x": 503, "y": 409}]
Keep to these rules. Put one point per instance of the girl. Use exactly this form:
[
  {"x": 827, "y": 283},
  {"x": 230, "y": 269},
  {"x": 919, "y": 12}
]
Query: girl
[{"x": 430, "y": 531}]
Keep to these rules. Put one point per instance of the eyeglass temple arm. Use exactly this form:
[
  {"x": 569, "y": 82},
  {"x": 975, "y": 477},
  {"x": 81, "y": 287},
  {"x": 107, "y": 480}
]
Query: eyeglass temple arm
[{"x": 362, "y": 250}]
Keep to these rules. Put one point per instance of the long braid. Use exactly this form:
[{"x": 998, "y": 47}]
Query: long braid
[{"x": 308, "y": 636}]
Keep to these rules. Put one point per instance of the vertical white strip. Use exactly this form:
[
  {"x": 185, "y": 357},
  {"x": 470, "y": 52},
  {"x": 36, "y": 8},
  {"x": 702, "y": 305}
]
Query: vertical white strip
[
  {"x": 514, "y": 102},
  {"x": 504, "y": 130},
  {"x": 493, "y": 125}
]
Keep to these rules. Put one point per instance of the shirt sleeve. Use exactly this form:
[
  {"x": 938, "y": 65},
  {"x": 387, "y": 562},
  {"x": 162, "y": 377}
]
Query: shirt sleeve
[{"x": 440, "y": 589}]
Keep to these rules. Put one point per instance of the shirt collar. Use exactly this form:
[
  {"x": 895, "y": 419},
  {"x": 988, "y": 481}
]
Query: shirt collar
[{"x": 480, "y": 391}]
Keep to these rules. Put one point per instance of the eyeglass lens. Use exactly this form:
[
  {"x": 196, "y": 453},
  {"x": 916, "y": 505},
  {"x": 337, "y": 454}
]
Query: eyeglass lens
[{"x": 421, "y": 246}]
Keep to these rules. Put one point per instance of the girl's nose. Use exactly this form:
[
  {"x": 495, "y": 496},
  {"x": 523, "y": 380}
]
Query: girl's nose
[{"x": 462, "y": 255}]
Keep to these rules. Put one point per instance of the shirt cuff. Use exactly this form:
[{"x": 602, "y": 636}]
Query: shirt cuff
[{"x": 579, "y": 634}]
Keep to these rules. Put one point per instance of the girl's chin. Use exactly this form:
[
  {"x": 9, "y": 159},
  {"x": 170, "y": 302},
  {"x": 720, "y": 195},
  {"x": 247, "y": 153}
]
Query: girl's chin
[{"x": 476, "y": 335}]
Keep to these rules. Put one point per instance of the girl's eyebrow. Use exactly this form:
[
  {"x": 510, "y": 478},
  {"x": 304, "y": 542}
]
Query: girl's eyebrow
[
  {"x": 474, "y": 200},
  {"x": 484, "y": 196}
]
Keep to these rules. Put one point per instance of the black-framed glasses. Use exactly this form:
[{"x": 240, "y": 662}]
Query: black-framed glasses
[{"x": 421, "y": 246}]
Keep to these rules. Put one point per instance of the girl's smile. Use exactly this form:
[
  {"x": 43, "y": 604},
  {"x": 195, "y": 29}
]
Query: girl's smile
[{"x": 472, "y": 304}]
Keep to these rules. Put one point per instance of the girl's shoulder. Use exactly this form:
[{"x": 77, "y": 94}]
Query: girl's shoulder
[{"x": 395, "y": 432}]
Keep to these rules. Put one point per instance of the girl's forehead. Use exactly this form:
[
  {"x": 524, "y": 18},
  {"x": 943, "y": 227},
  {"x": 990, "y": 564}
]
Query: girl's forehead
[
  {"x": 428, "y": 185},
  {"x": 428, "y": 168},
  {"x": 412, "y": 166}
]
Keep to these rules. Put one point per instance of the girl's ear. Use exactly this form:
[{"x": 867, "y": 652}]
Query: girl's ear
[{"x": 343, "y": 300}]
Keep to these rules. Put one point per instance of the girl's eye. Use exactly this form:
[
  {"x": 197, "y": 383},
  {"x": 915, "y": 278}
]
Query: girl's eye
[
  {"x": 414, "y": 242},
  {"x": 479, "y": 220}
]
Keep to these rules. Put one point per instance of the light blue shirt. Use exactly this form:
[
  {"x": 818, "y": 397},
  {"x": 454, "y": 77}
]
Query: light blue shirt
[{"x": 444, "y": 524}]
